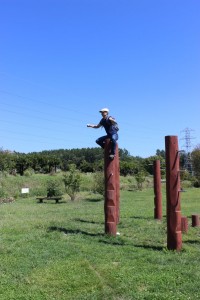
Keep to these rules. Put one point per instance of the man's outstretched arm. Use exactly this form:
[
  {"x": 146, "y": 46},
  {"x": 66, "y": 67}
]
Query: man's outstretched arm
[{"x": 94, "y": 126}]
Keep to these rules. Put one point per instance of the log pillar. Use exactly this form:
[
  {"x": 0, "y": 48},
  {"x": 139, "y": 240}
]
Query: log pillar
[
  {"x": 174, "y": 234},
  {"x": 157, "y": 191},
  {"x": 117, "y": 178},
  {"x": 195, "y": 221},
  {"x": 184, "y": 224},
  {"x": 111, "y": 204}
]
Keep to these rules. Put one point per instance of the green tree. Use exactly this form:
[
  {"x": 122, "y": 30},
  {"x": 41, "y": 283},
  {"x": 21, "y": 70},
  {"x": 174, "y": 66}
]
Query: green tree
[
  {"x": 22, "y": 163},
  {"x": 86, "y": 167},
  {"x": 72, "y": 181},
  {"x": 7, "y": 161},
  {"x": 128, "y": 168},
  {"x": 196, "y": 163},
  {"x": 160, "y": 153},
  {"x": 53, "y": 163},
  {"x": 140, "y": 178}
]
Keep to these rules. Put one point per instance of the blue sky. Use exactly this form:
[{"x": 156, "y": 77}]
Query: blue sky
[{"x": 63, "y": 60}]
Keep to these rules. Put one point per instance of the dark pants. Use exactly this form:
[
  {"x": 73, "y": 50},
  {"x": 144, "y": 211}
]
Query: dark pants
[{"x": 113, "y": 137}]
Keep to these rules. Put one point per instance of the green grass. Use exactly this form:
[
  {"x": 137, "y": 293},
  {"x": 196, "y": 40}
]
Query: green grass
[{"x": 59, "y": 251}]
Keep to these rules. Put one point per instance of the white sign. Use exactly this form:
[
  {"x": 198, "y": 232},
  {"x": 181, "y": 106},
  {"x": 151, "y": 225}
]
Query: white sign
[{"x": 25, "y": 190}]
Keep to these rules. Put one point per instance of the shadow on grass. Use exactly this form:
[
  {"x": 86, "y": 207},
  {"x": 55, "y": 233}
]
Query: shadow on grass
[
  {"x": 155, "y": 248},
  {"x": 113, "y": 242},
  {"x": 109, "y": 240},
  {"x": 73, "y": 231},
  {"x": 192, "y": 242},
  {"x": 93, "y": 199},
  {"x": 142, "y": 218},
  {"x": 146, "y": 218},
  {"x": 86, "y": 221},
  {"x": 120, "y": 242},
  {"x": 51, "y": 202}
]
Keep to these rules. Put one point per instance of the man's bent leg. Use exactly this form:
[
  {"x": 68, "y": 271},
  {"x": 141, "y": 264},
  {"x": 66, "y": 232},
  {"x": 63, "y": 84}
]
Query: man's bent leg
[
  {"x": 101, "y": 141},
  {"x": 113, "y": 139}
]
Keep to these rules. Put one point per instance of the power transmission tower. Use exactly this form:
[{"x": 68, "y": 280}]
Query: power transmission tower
[{"x": 188, "y": 145}]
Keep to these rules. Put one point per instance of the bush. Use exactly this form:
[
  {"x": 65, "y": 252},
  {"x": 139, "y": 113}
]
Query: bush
[
  {"x": 29, "y": 172},
  {"x": 140, "y": 179},
  {"x": 53, "y": 188},
  {"x": 72, "y": 182},
  {"x": 186, "y": 184},
  {"x": 99, "y": 183},
  {"x": 196, "y": 183}
]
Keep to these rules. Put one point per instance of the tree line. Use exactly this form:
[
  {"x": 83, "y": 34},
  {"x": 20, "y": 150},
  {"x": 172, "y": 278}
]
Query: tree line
[{"x": 87, "y": 160}]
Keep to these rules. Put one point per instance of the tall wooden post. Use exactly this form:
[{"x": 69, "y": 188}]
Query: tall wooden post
[
  {"x": 157, "y": 191},
  {"x": 117, "y": 178},
  {"x": 111, "y": 205},
  {"x": 174, "y": 234}
]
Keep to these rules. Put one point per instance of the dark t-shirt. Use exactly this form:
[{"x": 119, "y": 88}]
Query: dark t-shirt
[{"x": 108, "y": 126}]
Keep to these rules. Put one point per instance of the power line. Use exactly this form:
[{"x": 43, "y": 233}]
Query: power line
[
  {"x": 46, "y": 103},
  {"x": 53, "y": 120},
  {"x": 65, "y": 108}
]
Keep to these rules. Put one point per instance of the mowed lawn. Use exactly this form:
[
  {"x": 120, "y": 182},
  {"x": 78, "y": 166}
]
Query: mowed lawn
[{"x": 59, "y": 251}]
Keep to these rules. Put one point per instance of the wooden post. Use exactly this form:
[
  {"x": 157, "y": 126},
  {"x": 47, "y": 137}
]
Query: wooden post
[
  {"x": 174, "y": 234},
  {"x": 157, "y": 191},
  {"x": 110, "y": 192},
  {"x": 117, "y": 178},
  {"x": 184, "y": 224},
  {"x": 195, "y": 221}
]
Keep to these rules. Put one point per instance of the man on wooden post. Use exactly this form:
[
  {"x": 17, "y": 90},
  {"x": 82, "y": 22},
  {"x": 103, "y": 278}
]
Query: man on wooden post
[{"x": 111, "y": 127}]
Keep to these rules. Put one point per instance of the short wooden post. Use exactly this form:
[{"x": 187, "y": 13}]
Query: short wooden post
[
  {"x": 174, "y": 234},
  {"x": 184, "y": 224},
  {"x": 157, "y": 191},
  {"x": 195, "y": 220}
]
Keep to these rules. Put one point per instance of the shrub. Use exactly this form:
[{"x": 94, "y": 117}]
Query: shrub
[
  {"x": 196, "y": 183},
  {"x": 72, "y": 182},
  {"x": 99, "y": 183},
  {"x": 29, "y": 172},
  {"x": 53, "y": 188},
  {"x": 140, "y": 179}
]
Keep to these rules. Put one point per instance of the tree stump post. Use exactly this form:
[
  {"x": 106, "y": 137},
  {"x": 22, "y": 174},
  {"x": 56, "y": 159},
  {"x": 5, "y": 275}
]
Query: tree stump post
[
  {"x": 157, "y": 191},
  {"x": 111, "y": 204},
  {"x": 195, "y": 220},
  {"x": 117, "y": 177},
  {"x": 184, "y": 224},
  {"x": 174, "y": 234}
]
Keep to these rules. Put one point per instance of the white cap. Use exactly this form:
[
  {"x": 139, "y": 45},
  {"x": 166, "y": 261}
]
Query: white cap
[{"x": 104, "y": 109}]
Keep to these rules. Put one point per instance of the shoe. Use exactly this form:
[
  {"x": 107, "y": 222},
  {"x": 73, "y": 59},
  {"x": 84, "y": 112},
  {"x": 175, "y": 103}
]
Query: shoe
[{"x": 111, "y": 156}]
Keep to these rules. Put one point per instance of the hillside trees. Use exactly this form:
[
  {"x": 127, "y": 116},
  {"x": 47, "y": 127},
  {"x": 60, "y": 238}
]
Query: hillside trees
[
  {"x": 7, "y": 161},
  {"x": 196, "y": 163},
  {"x": 85, "y": 159},
  {"x": 22, "y": 163},
  {"x": 148, "y": 163}
]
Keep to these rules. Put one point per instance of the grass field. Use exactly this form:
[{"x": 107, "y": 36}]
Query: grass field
[{"x": 59, "y": 251}]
